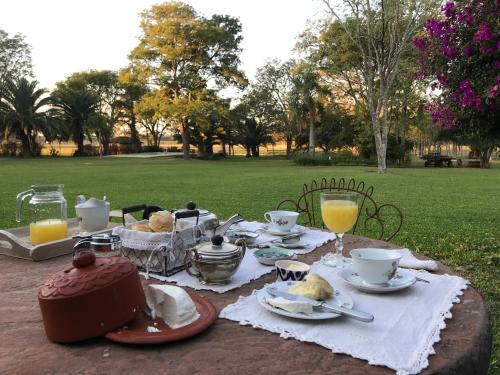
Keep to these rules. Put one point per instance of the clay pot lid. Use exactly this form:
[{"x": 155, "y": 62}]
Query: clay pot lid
[{"x": 88, "y": 274}]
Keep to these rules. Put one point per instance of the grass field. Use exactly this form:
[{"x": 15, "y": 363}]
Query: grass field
[{"x": 452, "y": 215}]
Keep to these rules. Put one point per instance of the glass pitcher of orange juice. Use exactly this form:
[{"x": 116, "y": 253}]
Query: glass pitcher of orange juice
[{"x": 48, "y": 212}]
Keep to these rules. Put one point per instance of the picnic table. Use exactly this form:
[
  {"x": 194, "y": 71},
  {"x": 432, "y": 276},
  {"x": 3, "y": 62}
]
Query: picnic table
[
  {"x": 225, "y": 348},
  {"x": 435, "y": 159}
]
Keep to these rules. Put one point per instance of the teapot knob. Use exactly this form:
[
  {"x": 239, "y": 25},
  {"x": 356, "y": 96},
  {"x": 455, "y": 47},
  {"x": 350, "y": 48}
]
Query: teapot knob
[
  {"x": 217, "y": 240},
  {"x": 191, "y": 205},
  {"x": 80, "y": 199}
]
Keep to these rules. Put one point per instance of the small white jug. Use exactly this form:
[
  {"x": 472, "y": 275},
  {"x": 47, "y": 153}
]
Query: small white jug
[{"x": 92, "y": 214}]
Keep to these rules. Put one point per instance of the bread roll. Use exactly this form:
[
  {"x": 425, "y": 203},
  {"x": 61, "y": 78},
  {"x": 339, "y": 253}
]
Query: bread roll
[
  {"x": 161, "y": 221},
  {"x": 141, "y": 227}
]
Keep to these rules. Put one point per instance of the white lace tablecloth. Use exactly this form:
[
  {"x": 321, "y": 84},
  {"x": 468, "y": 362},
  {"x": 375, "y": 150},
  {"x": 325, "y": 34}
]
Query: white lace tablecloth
[
  {"x": 250, "y": 269},
  {"x": 407, "y": 323}
]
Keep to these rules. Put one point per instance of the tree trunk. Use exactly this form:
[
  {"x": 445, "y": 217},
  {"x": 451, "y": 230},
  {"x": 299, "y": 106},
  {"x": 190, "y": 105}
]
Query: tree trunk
[
  {"x": 209, "y": 149},
  {"x": 249, "y": 153},
  {"x": 255, "y": 151},
  {"x": 484, "y": 157},
  {"x": 25, "y": 144},
  {"x": 79, "y": 145},
  {"x": 312, "y": 138},
  {"x": 185, "y": 139},
  {"x": 136, "y": 142},
  {"x": 288, "y": 145}
]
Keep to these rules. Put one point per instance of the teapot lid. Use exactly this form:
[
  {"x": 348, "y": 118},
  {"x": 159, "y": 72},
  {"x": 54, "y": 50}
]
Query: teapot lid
[
  {"x": 87, "y": 274},
  {"x": 218, "y": 249}
]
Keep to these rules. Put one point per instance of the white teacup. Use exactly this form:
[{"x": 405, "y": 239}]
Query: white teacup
[
  {"x": 375, "y": 266},
  {"x": 282, "y": 221}
]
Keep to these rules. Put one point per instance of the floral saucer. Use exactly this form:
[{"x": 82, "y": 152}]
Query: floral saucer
[
  {"x": 298, "y": 229},
  {"x": 291, "y": 245},
  {"x": 402, "y": 280}
]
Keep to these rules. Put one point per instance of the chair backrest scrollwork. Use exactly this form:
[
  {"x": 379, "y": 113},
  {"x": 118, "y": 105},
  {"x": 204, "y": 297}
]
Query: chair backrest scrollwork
[{"x": 308, "y": 204}]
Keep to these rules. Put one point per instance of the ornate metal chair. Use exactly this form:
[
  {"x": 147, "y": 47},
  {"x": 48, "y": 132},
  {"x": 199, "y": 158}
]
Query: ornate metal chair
[{"x": 377, "y": 219}]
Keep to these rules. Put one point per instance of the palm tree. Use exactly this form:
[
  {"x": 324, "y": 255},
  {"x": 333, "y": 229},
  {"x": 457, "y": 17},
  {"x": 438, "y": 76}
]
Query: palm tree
[
  {"x": 304, "y": 95},
  {"x": 23, "y": 112},
  {"x": 78, "y": 110}
]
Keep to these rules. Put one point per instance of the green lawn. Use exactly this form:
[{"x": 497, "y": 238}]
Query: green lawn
[{"x": 452, "y": 215}]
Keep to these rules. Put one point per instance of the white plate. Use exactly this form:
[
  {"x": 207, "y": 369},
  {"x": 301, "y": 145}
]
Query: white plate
[
  {"x": 294, "y": 245},
  {"x": 339, "y": 299},
  {"x": 298, "y": 229},
  {"x": 402, "y": 280}
]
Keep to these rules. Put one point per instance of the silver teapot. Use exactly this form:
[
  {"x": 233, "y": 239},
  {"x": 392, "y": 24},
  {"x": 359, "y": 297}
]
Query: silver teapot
[{"x": 215, "y": 262}]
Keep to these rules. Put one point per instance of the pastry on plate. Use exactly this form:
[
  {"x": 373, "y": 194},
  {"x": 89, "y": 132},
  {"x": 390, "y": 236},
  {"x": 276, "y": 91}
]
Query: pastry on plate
[{"x": 314, "y": 286}]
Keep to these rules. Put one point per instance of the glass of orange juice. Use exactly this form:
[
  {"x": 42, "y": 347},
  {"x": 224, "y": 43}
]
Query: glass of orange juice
[{"x": 339, "y": 211}]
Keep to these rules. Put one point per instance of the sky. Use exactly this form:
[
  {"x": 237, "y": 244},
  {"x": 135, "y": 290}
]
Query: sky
[{"x": 67, "y": 36}]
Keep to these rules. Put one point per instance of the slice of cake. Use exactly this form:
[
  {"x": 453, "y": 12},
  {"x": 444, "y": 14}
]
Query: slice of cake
[{"x": 172, "y": 304}]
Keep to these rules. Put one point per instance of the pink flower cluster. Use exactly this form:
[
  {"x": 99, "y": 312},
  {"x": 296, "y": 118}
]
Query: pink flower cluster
[
  {"x": 460, "y": 51},
  {"x": 466, "y": 96},
  {"x": 441, "y": 115}
]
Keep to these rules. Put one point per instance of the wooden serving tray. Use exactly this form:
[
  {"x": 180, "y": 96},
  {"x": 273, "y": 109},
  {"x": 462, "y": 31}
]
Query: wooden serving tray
[{"x": 15, "y": 242}]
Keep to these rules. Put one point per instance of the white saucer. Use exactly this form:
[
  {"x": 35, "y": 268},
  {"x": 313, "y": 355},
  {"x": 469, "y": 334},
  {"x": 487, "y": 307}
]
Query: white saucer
[
  {"x": 339, "y": 299},
  {"x": 292, "y": 245},
  {"x": 402, "y": 280},
  {"x": 298, "y": 229}
]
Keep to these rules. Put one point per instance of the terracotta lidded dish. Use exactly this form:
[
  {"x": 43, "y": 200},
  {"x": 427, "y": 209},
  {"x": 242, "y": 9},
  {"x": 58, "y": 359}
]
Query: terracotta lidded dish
[{"x": 94, "y": 296}]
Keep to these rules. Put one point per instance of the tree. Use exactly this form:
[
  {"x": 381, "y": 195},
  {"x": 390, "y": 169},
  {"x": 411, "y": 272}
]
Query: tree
[
  {"x": 103, "y": 84},
  {"x": 15, "y": 56},
  {"x": 304, "y": 99},
  {"x": 23, "y": 112},
  {"x": 380, "y": 32},
  {"x": 152, "y": 113},
  {"x": 459, "y": 53},
  {"x": 78, "y": 109},
  {"x": 273, "y": 88},
  {"x": 131, "y": 91},
  {"x": 250, "y": 131},
  {"x": 181, "y": 52}
]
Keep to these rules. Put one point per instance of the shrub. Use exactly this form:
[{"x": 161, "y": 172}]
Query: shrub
[
  {"x": 343, "y": 157},
  {"x": 173, "y": 149},
  {"x": 53, "y": 152},
  {"x": 88, "y": 150},
  {"x": 152, "y": 149},
  {"x": 8, "y": 148},
  {"x": 306, "y": 159}
]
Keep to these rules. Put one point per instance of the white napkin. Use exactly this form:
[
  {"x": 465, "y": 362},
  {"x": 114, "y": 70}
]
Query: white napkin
[
  {"x": 410, "y": 261},
  {"x": 407, "y": 323},
  {"x": 250, "y": 269}
]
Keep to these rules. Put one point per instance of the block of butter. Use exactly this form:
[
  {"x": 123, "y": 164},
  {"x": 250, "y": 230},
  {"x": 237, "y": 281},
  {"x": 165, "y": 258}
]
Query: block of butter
[
  {"x": 290, "y": 306},
  {"x": 172, "y": 304}
]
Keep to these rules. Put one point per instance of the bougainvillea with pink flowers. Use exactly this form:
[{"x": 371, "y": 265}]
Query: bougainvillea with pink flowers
[{"x": 459, "y": 52}]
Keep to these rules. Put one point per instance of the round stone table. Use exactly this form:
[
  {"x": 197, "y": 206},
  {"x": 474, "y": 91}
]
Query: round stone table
[{"x": 225, "y": 348}]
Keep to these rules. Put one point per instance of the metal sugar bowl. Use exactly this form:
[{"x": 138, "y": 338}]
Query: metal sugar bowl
[{"x": 215, "y": 262}]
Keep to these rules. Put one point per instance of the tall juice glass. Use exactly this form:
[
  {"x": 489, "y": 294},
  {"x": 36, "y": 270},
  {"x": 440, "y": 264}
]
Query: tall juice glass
[{"x": 339, "y": 212}]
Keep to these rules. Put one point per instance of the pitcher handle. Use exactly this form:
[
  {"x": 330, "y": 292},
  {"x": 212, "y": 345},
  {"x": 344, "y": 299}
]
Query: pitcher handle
[{"x": 19, "y": 203}]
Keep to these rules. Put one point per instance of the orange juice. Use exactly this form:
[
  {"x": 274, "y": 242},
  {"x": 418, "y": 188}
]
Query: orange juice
[
  {"x": 339, "y": 215},
  {"x": 48, "y": 230}
]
